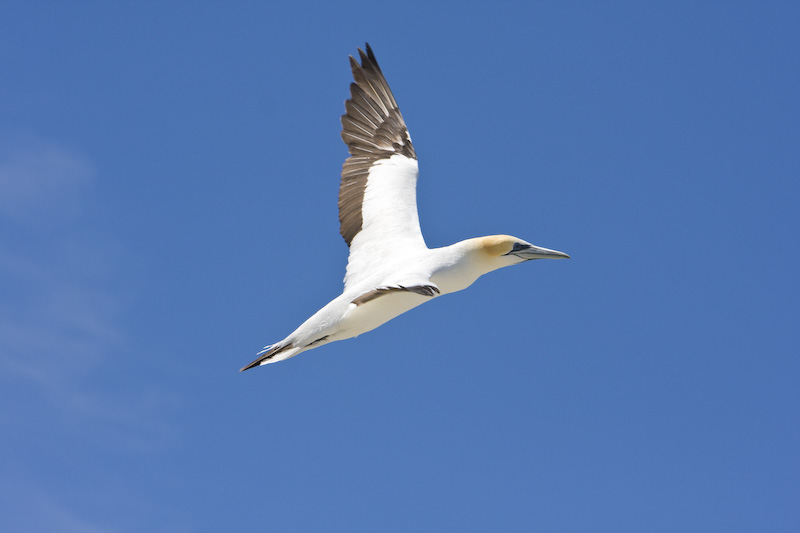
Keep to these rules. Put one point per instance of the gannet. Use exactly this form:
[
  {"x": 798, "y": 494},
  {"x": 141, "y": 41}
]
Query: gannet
[{"x": 390, "y": 270}]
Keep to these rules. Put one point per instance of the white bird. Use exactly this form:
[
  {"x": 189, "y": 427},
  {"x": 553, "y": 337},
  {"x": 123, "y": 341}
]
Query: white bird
[{"x": 390, "y": 269}]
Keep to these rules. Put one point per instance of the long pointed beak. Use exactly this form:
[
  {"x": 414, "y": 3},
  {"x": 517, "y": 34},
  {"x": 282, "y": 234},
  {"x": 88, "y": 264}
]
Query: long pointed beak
[{"x": 535, "y": 252}]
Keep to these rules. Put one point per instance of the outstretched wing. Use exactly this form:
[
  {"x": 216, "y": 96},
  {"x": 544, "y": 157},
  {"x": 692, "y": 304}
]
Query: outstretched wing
[{"x": 378, "y": 192}]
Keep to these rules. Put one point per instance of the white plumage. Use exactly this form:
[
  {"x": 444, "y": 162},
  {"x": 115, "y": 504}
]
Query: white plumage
[{"x": 390, "y": 269}]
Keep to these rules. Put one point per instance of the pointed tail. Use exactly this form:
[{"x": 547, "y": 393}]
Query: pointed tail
[{"x": 267, "y": 355}]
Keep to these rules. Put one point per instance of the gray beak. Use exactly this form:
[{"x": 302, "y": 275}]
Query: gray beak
[{"x": 534, "y": 252}]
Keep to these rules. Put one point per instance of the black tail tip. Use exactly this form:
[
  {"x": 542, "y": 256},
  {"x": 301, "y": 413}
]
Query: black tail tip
[{"x": 254, "y": 364}]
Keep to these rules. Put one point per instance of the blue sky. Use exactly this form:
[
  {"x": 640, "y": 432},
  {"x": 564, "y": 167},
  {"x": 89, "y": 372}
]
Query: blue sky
[{"x": 168, "y": 182}]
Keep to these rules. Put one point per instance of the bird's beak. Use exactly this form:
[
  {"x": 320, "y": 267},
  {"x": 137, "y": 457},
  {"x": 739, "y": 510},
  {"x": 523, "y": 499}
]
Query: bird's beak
[{"x": 535, "y": 252}]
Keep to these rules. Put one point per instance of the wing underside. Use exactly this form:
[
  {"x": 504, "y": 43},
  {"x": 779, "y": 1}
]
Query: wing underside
[
  {"x": 377, "y": 195},
  {"x": 374, "y": 130}
]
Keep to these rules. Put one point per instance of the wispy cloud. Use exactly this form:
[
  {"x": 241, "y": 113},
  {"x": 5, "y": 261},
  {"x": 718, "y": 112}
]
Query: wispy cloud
[
  {"x": 62, "y": 325},
  {"x": 49, "y": 515},
  {"x": 42, "y": 183},
  {"x": 52, "y": 314},
  {"x": 62, "y": 296}
]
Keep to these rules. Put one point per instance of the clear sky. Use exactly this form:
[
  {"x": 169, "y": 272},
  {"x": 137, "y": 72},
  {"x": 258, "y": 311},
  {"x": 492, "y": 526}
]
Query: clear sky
[{"x": 168, "y": 183}]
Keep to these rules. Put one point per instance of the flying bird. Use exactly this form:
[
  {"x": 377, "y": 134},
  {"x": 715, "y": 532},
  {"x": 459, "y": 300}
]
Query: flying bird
[{"x": 390, "y": 270}]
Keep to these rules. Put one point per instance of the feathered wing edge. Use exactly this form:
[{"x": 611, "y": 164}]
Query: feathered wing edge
[{"x": 373, "y": 129}]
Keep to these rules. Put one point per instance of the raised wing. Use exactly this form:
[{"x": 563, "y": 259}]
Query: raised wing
[{"x": 378, "y": 192}]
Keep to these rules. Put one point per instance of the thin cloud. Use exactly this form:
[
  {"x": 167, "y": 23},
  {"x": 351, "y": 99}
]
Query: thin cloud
[
  {"x": 52, "y": 318},
  {"x": 63, "y": 305},
  {"x": 62, "y": 326},
  {"x": 42, "y": 184},
  {"x": 49, "y": 514}
]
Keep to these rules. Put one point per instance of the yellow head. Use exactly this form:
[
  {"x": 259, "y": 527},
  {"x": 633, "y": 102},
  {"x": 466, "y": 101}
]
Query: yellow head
[{"x": 505, "y": 250}]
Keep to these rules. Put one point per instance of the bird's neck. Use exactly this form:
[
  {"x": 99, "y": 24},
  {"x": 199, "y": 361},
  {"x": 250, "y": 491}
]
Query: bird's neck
[{"x": 462, "y": 263}]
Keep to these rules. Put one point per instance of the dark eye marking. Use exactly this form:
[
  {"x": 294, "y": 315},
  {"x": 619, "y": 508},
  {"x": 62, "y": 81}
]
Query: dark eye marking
[{"x": 517, "y": 247}]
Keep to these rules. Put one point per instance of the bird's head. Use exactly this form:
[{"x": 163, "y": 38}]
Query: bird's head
[{"x": 505, "y": 250}]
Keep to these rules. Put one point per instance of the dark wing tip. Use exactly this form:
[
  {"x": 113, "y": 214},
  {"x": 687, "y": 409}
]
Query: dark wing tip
[
  {"x": 372, "y": 128},
  {"x": 368, "y": 57}
]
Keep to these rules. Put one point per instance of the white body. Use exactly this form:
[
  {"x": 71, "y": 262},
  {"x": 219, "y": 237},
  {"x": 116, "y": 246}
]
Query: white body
[{"x": 452, "y": 268}]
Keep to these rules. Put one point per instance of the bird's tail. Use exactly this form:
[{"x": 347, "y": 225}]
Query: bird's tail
[{"x": 272, "y": 354}]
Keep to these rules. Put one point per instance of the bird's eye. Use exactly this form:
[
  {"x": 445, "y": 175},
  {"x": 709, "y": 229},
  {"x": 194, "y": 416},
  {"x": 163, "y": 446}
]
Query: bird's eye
[{"x": 517, "y": 247}]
